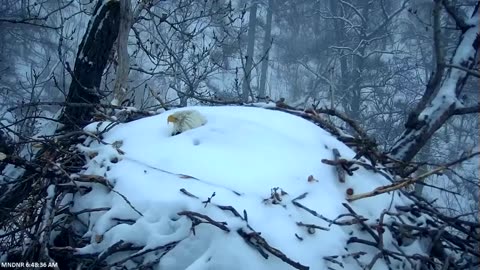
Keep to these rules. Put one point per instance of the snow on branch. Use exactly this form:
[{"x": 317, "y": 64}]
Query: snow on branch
[{"x": 444, "y": 103}]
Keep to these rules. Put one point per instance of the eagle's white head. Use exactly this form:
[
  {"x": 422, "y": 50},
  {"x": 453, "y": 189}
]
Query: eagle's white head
[{"x": 186, "y": 120}]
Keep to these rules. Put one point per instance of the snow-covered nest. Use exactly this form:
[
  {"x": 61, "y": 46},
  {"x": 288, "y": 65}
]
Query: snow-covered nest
[{"x": 248, "y": 190}]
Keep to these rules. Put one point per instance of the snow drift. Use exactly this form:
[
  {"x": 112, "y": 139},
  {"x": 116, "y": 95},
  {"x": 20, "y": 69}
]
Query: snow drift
[{"x": 209, "y": 197}]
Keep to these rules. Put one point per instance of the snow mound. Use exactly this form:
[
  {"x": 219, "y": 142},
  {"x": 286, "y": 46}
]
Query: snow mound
[{"x": 194, "y": 200}]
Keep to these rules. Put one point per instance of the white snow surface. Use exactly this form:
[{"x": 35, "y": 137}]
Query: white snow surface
[{"x": 240, "y": 155}]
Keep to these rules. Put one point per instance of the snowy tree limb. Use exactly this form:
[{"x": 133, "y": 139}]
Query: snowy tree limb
[
  {"x": 428, "y": 118},
  {"x": 439, "y": 70}
]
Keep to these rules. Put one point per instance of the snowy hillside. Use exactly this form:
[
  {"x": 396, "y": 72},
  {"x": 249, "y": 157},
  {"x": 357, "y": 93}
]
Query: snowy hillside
[{"x": 224, "y": 175}]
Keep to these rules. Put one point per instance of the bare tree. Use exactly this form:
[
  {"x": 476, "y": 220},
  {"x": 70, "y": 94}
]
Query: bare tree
[{"x": 178, "y": 43}]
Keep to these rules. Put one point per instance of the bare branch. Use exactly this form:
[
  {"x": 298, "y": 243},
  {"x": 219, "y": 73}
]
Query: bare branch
[
  {"x": 467, "y": 110},
  {"x": 352, "y": 7},
  {"x": 387, "y": 20},
  {"x": 29, "y": 22},
  {"x": 472, "y": 72},
  {"x": 397, "y": 186},
  {"x": 454, "y": 13}
]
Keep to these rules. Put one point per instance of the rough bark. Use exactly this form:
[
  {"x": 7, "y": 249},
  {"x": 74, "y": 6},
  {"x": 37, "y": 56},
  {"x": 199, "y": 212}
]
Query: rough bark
[{"x": 90, "y": 62}]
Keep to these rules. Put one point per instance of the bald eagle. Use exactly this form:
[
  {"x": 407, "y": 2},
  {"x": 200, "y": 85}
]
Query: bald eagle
[{"x": 186, "y": 120}]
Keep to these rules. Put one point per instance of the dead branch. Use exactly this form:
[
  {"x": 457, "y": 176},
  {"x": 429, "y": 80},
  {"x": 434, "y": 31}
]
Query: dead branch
[
  {"x": 312, "y": 226},
  {"x": 472, "y": 72},
  {"x": 256, "y": 240},
  {"x": 467, "y": 110},
  {"x": 340, "y": 169},
  {"x": 407, "y": 182},
  {"x": 198, "y": 218}
]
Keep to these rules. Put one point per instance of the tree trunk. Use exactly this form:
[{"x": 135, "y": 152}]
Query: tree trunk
[
  {"x": 266, "y": 49},
  {"x": 252, "y": 23},
  {"x": 120, "y": 88},
  {"x": 91, "y": 60},
  {"x": 426, "y": 119},
  {"x": 339, "y": 37},
  {"x": 89, "y": 65},
  {"x": 424, "y": 155}
]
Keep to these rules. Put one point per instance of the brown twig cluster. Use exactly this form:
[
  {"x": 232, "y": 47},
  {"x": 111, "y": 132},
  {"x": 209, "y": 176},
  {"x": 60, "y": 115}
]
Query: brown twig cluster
[
  {"x": 31, "y": 204},
  {"x": 32, "y": 207},
  {"x": 449, "y": 240}
]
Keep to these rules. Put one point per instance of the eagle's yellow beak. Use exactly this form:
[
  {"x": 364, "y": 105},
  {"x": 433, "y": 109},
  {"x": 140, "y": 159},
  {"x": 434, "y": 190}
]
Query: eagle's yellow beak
[{"x": 171, "y": 118}]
